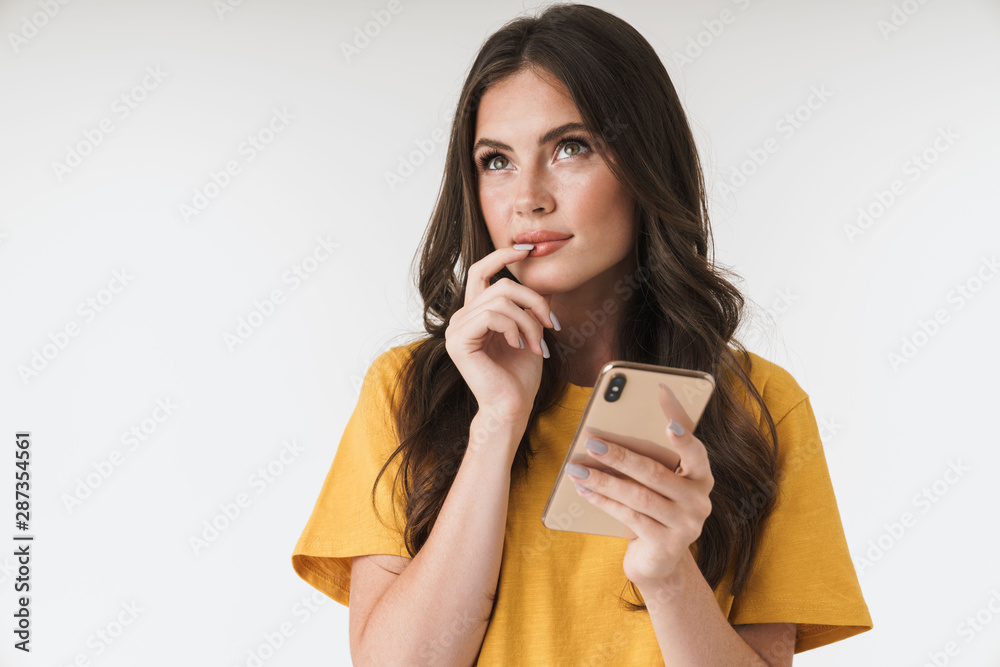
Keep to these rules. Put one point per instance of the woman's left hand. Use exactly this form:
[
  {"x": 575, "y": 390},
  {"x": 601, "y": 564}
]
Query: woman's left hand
[{"x": 666, "y": 509}]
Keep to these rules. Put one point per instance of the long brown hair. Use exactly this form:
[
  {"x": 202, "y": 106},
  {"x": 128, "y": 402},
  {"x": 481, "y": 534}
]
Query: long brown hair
[{"x": 684, "y": 312}]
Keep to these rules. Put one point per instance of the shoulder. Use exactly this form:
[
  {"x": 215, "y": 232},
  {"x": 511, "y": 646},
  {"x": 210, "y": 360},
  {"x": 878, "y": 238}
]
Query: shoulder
[
  {"x": 777, "y": 387},
  {"x": 392, "y": 361},
  {"x": 385, "y": 370}
]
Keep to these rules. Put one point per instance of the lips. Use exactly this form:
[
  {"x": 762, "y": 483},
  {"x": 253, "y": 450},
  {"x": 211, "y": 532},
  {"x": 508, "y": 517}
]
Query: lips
[
  {"x": 546, "y": 248},
  {"x": 539, "y": 236}
]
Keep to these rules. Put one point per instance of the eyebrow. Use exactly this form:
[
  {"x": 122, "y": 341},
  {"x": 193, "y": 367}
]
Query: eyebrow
[{"x": 551, "y": 135}]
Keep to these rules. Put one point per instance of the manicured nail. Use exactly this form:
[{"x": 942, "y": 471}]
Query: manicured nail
[
  {"x": 582, "y": 488},
  {"x": 555, "y": 321},
  {"x": 524, "y": 246},
  {"x": 596, "y": 446},
  {"x": 545, "y": 349},
  {"x": 676, "y": 428},
  {"x": 520, "y": 340},
  {"x": 577, "y": 470}
]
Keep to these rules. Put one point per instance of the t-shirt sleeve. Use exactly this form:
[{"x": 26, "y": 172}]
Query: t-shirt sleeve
[
  {"x": 803, "y": 572},
  {"x": 344, "y": 523}
]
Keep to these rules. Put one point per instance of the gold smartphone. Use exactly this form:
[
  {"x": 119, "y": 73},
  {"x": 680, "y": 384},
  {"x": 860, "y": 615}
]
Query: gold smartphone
[{"x": 625, "y": 408}]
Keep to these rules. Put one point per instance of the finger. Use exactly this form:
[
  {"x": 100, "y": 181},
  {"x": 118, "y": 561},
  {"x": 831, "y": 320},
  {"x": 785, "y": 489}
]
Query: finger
[
  {"x": 474, "y": 330},
  {"x": 673, "y": 409},
  {"x": 642, "y": 524},
  {"x": 490, "y": 265},
  {"x": 685, "y": 514},
  {"x": 643, "y": 469},
  {"x": 694, "y": 463},
  {"x": 687, "y": 526},
  {"x": 527, "y": 324},
  {"x": 521, "y": 295},
  {"x": 633, "y": 495}
]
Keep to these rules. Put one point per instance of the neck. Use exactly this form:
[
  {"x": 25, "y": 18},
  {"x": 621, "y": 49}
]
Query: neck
[{"x": 589, "y": 317}]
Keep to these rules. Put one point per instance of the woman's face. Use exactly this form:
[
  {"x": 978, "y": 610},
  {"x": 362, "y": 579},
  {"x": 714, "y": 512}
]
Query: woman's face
[{"x": 561, "y": 185}]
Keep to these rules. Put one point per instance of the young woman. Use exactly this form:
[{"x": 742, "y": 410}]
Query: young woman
[{"x": 571, "y": 230}]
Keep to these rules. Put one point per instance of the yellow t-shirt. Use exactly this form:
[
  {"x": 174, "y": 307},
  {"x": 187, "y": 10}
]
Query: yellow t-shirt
[{"x": 558, "y": 593}]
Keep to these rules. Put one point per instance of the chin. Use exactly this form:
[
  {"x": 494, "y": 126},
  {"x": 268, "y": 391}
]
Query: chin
[{"x": 544, "y": 284}]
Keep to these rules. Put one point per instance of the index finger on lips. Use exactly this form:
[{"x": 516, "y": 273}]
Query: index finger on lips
[{"x": 481, "y": 272}]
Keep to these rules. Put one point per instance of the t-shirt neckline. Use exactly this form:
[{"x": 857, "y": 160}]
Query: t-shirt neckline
[{"x": 575, "y": 398}]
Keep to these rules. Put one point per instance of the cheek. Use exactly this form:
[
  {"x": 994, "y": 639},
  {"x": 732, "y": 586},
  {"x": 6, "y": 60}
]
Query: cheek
[
  {"x": 493, "y": 214},
  {"x": 497, "y": 210},
  {"x": 591, "y": 182},
  {"x": 605, "y": 193},
  {"x": 492, "y": 201}
]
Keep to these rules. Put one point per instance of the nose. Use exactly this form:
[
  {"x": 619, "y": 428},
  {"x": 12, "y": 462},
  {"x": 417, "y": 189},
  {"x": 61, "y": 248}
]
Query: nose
[{"x": 533, "y": 194}]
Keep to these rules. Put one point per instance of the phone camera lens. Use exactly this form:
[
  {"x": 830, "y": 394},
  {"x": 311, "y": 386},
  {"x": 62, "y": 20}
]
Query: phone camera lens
[{"x": 615, "y": 387}]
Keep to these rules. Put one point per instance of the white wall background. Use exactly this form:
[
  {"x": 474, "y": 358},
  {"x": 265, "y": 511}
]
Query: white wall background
[{"x": 839, "y": 306}]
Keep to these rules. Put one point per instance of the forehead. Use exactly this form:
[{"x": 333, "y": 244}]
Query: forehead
[{"x": 526, "y": 102}]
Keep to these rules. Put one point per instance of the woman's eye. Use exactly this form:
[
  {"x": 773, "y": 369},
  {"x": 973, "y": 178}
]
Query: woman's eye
[
  {"x": 576, "y": 146},
  {"x": 497, "y": 161}
]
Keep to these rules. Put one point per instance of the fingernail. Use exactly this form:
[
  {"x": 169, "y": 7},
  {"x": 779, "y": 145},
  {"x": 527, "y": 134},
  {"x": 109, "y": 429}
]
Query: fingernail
[
  {"x": 577, "y": 470},
  {"x": 545, "y": 349},
  {"x": 520, "y": 340},
  {"x": 596, "y": 446},
  {"x": 582, "y": 488},
  {"x": 524, "y": 246},
  {"x": 555, "y": 321},
  {"x": 676, "y": 428}
]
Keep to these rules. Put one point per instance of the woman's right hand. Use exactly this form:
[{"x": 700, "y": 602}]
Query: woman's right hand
[{"x": 482, "y": 339}]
